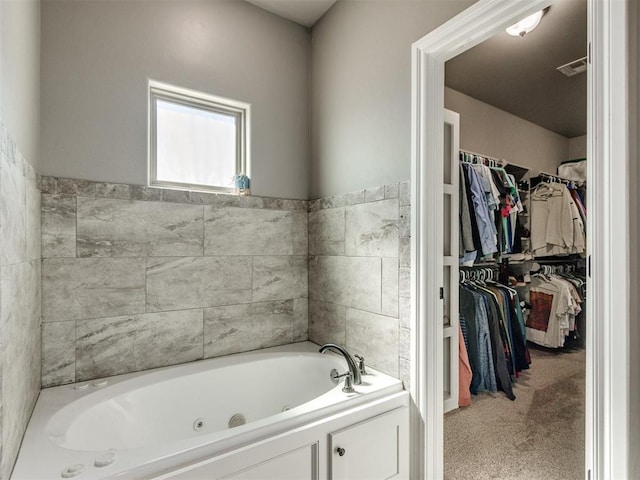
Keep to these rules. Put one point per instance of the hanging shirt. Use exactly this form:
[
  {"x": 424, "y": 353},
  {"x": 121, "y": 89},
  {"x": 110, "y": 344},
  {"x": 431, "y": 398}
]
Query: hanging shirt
[
  {"x": 579, "y": 236},
  {"x": 503, "y": 378},
  {"x": 464, "y": 373},
  {"x": 474, "y": 311},
  {"x": 552, "y": 303},
  {"x": 486, "y": 228},
  {"x": 467, "y": 243},
  {"x": 556, "y": 224},
  {"x": 490, "y": 190}
]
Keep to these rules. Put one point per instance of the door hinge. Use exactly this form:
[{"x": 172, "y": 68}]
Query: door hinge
[
  {"x": 589, "y": 266},
  {"x": 588, "y": 474},
  {"x": 589, "y": 53},
  {"x": 441, "y": 293}
]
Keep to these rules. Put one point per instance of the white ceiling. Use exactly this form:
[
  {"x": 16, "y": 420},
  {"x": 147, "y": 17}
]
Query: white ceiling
[{"x": 304, "y": 12}]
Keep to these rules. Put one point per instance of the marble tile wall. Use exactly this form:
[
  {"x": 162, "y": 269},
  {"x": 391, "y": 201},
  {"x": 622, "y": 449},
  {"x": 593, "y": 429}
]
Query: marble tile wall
[
  {"x": 20, "y": 344},
  {"x": 359, "y": 274},
  {"x": 136, "y": 277}
]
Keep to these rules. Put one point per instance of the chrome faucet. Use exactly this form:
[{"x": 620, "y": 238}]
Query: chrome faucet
[{"x": 353, "y": 368}]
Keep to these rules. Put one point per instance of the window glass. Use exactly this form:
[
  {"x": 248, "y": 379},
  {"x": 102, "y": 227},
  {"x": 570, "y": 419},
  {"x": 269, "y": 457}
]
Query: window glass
[{"x": 197, "y": 142}]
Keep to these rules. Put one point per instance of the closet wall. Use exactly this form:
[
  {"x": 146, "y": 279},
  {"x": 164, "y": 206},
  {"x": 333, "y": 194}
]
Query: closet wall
[
  {"x": 493, "y": 132},
  {"x": 578, "y": 147}
]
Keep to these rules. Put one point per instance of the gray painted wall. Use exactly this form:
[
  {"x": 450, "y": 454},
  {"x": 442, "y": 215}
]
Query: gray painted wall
[
  {"x": 20, "y": 74},
  {"x": 490, "y": 131},
  {"x": 97, "y": 56},
  {"x": 634, "y": 232},
  {"x": 361, "y": 91}
]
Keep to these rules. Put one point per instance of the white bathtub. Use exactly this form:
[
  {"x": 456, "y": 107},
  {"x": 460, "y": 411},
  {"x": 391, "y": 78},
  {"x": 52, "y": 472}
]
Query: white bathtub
[{"x": 135, "y": 425}]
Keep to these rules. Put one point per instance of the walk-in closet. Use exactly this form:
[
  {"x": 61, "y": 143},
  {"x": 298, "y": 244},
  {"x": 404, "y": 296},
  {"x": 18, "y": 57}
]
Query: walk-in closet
[{"x": 515, "y": 252}]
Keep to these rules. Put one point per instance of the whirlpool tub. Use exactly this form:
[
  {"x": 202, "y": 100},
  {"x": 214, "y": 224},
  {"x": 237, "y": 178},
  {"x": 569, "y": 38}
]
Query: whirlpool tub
[{"x": 209, "y": 419}]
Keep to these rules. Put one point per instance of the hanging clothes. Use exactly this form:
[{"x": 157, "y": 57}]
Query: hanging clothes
[
  {"x": 474, "y": 313},
  {"x": 515, "y": 332},
  {"x": 495, "y": 336},
  {"x": 490, "y": 189},
  {"x": 557, "y": 226},
  {"x": 464, "y": 372},
  {"x": 473, "y": 218},
  {"x": 489, "y": 207},
  {"x": 555, "y": 305},
  {"x": 479, "y": 212},
  {"x": 467, "y": 243}
]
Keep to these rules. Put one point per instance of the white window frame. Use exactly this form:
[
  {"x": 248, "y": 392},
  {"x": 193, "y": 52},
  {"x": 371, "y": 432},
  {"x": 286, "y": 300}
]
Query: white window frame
[{"x": 192, "y": 98}]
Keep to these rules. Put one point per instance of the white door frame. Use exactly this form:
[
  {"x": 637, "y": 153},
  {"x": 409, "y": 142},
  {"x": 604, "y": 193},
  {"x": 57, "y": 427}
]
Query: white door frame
[
  {"x": 450, "y": 264},
  {"x": 607, "y": 386}
]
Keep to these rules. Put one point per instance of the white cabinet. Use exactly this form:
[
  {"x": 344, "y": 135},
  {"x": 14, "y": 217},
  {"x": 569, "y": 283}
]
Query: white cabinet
[{"x": 375, "y": 449}]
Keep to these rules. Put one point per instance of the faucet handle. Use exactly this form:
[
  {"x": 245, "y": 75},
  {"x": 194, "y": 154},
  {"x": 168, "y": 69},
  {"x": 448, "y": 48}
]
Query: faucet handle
[
  {"x": 348, "y": 385},
  {"x": 348, "y": 380},
  {"x": 361, "y": 367}
]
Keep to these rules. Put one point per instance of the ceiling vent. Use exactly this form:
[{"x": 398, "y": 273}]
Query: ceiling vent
[{"x": 573, "y": 68}]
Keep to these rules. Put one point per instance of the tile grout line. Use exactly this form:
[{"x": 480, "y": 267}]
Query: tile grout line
[
  {"x": 202, "y": 312},
  {"x": 203, "y": 255},
  {"x": 75, "y": 324},
  {"x": 75, "y": 351}
]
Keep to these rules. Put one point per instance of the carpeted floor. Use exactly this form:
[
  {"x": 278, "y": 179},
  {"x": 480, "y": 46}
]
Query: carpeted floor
[{"x": 540, "y": 435}]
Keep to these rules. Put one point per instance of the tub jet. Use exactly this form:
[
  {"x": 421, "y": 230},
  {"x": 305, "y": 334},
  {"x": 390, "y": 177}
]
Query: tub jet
[{"x": 237, "y": 420}]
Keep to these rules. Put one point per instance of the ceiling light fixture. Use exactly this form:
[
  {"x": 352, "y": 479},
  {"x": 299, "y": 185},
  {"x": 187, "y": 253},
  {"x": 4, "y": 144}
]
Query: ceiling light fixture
[{"x": 525, "y": 25}]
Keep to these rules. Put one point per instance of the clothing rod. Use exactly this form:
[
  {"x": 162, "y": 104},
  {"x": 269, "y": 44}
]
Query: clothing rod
[
  {"x": 501, "y": 161},
  {"x": 557, "y": 261},
  {"x": 553, "y": 175},
  {"x": 550, "y": 175},
  {"x": 476, "y": 267},
  {"x": 498, "y": 161}
]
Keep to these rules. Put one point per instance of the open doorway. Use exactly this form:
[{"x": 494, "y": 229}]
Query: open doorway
[
  {"x": 607, "y": 407},
  {"x": 522, "y": 107}
]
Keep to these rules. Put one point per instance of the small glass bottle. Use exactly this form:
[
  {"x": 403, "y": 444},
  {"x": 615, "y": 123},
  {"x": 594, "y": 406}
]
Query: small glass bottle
[{"x": 241, "y": 184}]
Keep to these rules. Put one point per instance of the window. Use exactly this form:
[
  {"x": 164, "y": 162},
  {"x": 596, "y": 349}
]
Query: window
[{"x": 196, "y": 141}]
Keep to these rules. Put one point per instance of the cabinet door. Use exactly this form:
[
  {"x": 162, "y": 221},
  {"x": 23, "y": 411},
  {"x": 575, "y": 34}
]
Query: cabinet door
[
  {"x": 375, "y": 449},
  {"x": 265, "y": 462}
]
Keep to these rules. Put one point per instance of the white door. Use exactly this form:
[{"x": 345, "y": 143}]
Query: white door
[{"x": 450, "y": 243}]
